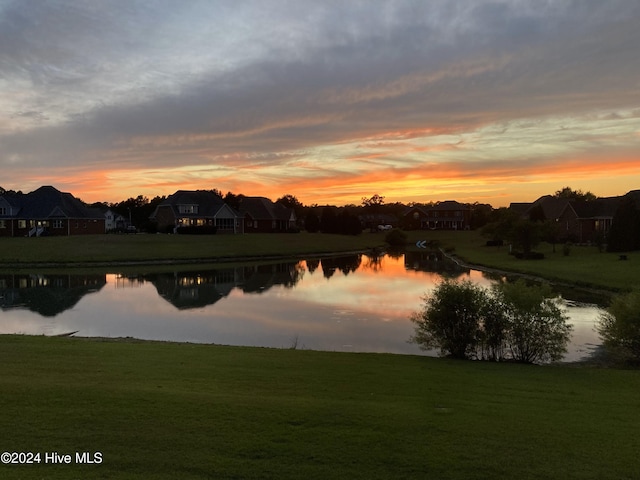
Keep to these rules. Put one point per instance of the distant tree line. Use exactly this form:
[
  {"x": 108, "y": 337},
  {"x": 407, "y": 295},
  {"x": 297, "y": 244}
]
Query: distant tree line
[{"x": 501, "y": 224}]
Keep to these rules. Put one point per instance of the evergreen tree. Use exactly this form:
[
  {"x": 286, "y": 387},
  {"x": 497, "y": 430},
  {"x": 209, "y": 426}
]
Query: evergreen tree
[{"x": 624, "y": 235}]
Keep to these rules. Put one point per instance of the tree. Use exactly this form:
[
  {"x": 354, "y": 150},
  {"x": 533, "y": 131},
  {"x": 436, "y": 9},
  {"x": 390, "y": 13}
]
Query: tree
[
  {"x": 312, "y": 222},
  {"x": 511, "y": 321},
  {"x": 619, "y": 326},
  {"x": 570, "y": 194},
  {"x": 348, "y": 224},
  {"x": 233, "y": 200},
  {"x": 537, "y": 328},
  {"x": 291, "y": 201},
  {"x": 525, "y": 235},
  {"x": 450, "y": 319},
  {"x": 624, "y": 235},
  {"x": 328, "y": 220},
  {"x": 374, "y": 203}
]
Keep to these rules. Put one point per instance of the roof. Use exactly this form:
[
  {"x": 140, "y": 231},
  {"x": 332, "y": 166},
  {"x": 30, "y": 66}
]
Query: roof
[
  {"x": 449, "y": 205},
  {"x": 209, "y": 204},
  {"x": 49, "y": 202},
  {"x": 553, "y": 207},
  {"x": 261, "y": 208}
]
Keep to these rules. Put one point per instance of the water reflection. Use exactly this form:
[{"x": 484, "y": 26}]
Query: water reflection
[
  {"x": 47, "y": 295},
  {"x": 345, "y": 303}
]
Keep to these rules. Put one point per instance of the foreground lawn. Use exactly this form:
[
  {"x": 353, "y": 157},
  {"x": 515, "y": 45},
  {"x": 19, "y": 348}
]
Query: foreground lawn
[
  {"x": 584, "y": 266},
  {"x": 166, "y": 411}
]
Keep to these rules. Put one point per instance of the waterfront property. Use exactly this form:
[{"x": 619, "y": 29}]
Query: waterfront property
[
  {"x": 264, "y": 216},
  {"x": 447, "y": 215},
  {"x": 47, "y": 211},
  {"x": 196, "y": 208},
  {"x": 580, "y": 221}
]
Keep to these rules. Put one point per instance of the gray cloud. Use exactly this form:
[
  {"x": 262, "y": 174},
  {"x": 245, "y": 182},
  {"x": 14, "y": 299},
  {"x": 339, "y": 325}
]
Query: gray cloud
[{"x": 252, "y": 78}]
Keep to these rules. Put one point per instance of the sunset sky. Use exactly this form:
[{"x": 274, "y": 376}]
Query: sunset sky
[{"x": 330, "y": 101}]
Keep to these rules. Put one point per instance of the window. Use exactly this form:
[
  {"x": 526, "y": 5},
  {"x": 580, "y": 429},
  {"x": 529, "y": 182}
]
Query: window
[
  {"x": 22, "y": 224},
  {"x": 225, "y": 223},
  {"x": 188, "y": 209},
  {"x": 58, "y": 224},
  {"x": 3, "y": 224},
  {"x": 3, "y": 211}
]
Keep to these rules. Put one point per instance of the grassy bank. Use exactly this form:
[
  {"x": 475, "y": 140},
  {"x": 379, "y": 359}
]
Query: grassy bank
[
  {"x": 93, "y": 249},
  {"x": 156, "y": 411},
  {"x": 584, "y": 266}
]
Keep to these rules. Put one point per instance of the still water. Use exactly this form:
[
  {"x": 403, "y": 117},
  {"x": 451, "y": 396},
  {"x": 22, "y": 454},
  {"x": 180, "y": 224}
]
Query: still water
[{"x": 353, "y": 303}]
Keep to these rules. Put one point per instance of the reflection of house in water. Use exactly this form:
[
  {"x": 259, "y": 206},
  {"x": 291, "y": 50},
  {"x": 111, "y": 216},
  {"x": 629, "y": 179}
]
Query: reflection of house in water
[
  {"x": 48, "y": 294},
  {"x": 433, "y": 261},
  {"x": 195, "y": 289}
]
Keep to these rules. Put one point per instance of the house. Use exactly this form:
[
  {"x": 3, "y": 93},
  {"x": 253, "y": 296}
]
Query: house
[
  {"x": 261, "y": 215},
  {"x": 47, "y": 211},
  {"x": 580, "y": 221},
  {"x": 447, "y": 215},
  {"x": 114, "y": 221},
  {"x": 196, "y": 208}
]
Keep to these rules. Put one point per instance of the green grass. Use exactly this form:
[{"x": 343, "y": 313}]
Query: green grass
[
  {"x": 584, "y": 266},
  {"x": 137, "y": 248},
  {"x": 157, "y": 410}
]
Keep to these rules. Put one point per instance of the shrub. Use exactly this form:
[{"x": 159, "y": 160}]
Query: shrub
[
  {"x": 619, "y": 327},
  {"x": 511, "y": 321},
  {"x": 537, "y": 328},
  {"x": 396, "y": 238},
  {"x": 450, "y": 319}
]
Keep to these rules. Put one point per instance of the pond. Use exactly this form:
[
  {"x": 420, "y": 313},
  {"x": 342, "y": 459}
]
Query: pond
[{"x": 351, "y": 303}]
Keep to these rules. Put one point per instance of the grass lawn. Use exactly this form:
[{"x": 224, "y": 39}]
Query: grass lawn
[
  {"x": 166, "y": 411},
  {"x": 584, "y": 266},
  {"x": 129, "y": 248}
]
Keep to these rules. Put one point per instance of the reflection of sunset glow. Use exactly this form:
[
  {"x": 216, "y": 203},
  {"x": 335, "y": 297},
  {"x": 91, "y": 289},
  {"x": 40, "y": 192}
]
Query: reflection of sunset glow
[{"x": 365, "y": 310}]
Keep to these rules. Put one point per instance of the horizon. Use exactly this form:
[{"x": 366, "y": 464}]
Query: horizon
[
  {"x": 494, "y": 102},
  {"x": 274, "y": 199}
]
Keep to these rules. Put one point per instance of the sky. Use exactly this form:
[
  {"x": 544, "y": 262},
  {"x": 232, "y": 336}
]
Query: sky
[{"x": 330, "y": 101}]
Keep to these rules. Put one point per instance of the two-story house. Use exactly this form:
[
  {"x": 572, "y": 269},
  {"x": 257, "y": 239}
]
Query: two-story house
[
  {"x": 196, "y": 208},
  {"x": 47, "y": 211}
]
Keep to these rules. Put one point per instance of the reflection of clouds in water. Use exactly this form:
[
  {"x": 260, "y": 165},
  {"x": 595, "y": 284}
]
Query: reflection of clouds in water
[
  {"x": 584, "y": 338},
  {"x": 365, "y": 311}
]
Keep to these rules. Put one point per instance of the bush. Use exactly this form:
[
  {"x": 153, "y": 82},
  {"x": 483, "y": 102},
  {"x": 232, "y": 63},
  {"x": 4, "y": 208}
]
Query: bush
[
  {"x": 537, "y": 328},
  {"x": 619, "y": 327},
  {"x": 450, "y": 319},
  {"x": 509, "y": 322},
  {"x": 396, "y": 238}
]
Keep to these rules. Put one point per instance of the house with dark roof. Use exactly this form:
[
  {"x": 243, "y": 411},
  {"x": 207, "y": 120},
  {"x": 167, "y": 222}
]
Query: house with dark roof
[
  {"x": 47, "y": 211},
  {"x": 261, "y": 215},
  {"x": 579, "y": 221},
  {"x": 196, "y": 208},
  {"x": 446, "y": 215}
]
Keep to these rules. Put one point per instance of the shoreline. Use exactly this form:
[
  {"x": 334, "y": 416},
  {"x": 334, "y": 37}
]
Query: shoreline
[{"x": 598, "y": 290}]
